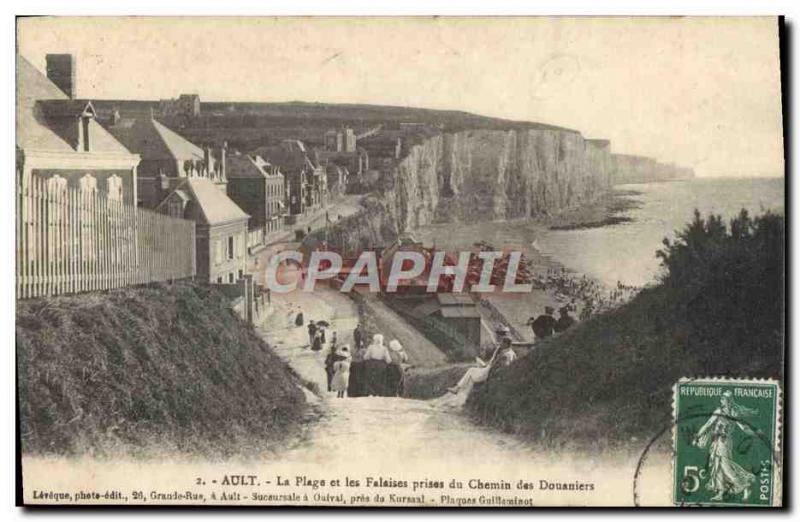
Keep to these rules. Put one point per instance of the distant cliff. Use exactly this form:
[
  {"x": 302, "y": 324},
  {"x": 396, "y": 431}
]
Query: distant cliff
[
  {"x": 480, "y": 175},
  {"x": 641, "y": 169}
]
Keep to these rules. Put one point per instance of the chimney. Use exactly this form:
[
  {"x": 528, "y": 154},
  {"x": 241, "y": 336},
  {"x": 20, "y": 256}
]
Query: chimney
[
  {"x": 222, "y": 154},
  {"x": 61, "y": 71},
  {"x": 207, "y": 159}
]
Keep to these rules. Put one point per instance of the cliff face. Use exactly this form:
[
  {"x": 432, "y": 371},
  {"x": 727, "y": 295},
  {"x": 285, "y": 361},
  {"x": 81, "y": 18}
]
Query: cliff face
[
  {"x": 487, "y": 175},
  {"x": 641, "y": 169},
  {"x": 480, "y": 175}
]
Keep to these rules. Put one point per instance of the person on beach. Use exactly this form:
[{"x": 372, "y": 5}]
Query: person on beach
[
  {"x": 543, "y": 326},
  {"x": 376, "y": 364},
  {"x": 312, "y": 332},
  {"x": 565, "y": 321},
  {"x": 341, "y": 369},
  {"x": 396, "y": 372},
  {"x": 298, "y": 320}
]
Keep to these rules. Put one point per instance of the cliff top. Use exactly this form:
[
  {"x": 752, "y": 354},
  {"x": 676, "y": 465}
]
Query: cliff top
[{"x": 330, "y": 115}]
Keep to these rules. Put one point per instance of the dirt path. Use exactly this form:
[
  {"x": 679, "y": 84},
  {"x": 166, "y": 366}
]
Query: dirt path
[
  {"x": 413, "y": 440},
  {"x": 362, "y": 422}
]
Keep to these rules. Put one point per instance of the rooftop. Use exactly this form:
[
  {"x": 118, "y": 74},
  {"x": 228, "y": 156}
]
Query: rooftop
[
  {"x": 153, "y": 140},
  {"x": 212, "y": 206},
  {"x": 46, "y": 117}
]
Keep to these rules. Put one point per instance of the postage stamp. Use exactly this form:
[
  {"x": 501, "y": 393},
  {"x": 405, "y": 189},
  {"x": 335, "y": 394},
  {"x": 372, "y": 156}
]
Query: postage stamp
[{"x": 726, "y": 442}]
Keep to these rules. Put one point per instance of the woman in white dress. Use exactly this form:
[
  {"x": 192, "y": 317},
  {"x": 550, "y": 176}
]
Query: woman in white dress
[
  {"x": 725, "y": 475},
  {"x": 341, "y": 371}
]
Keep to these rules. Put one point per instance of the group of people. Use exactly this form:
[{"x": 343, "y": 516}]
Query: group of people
[
  {"x": 378, "y": 369},
  {"x": 546, "y": 325},
  {"x": 543, "y": 326},
  {"x": 369, "y": 369},
  {"x": 317, "y": 335}
]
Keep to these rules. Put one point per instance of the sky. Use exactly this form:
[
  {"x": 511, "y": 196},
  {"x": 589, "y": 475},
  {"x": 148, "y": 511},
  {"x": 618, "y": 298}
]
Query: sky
[{"x": 702, "y": 92}]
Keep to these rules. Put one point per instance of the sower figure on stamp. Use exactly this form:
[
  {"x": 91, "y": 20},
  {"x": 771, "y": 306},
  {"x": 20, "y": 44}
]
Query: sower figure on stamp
[{"x": 725, "y": 475}]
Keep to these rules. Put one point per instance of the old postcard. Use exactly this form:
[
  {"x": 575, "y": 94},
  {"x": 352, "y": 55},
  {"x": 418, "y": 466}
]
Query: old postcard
[{"x": 431, "y": 261}]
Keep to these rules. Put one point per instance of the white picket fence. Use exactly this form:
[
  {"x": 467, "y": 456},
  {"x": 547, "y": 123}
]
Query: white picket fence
[{"x": 71, "y": 240}]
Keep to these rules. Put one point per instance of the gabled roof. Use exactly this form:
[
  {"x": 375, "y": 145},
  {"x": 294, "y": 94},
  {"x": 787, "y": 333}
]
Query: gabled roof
[
  {"x": 290, "y": 156},
  {"x": 244, "y": 166},
  {"x": 46, "y": 117},
  {"x": 72, "y": 108},
  {"x": 154, "y": 141},
  {"x": 211, "y": 205}
]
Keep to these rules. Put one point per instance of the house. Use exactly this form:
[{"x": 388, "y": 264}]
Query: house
[
  {"x": 78, "y": 228},
  {"x": 166, "y": 157},
  {"x": 59, "y": 138},
  {"x": 306, "y": 182},
  {"x": 342, "y": 140},
  {"x": 180, "y": 179},
  {"x": 220, "y": 228},
  {"x": 184, "y": 105},
  {"x": 340, "y": 166},
  {"x": 257, "y": 187}
]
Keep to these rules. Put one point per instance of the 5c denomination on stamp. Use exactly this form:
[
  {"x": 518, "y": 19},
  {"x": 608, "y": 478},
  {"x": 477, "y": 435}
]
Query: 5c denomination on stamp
[{"x": 726, "y": 440}]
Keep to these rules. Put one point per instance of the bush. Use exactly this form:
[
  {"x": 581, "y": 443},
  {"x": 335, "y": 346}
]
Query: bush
[
  {"x": 731, "y": 281},
  {"x": 717, "y": 311}
]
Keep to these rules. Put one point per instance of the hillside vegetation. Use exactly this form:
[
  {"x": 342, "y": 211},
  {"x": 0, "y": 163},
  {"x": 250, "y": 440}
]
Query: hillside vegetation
[
  {"x": 719, "y": 311},
  {"x": 162, "y": 369}
]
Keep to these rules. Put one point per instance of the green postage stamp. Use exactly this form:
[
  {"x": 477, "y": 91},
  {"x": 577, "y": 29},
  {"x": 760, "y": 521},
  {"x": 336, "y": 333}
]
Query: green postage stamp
[{"x": 726, "y": 442}]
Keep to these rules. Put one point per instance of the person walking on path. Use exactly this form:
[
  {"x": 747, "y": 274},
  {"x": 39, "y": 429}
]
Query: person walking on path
[
  {"x": 341, "y": 369},
  {"x": 396, "y": 373},
  {"x": 543, "y": 326},
  {"x": 316, "y": 343},
  {"x": 330, "y": 360},
  {"x": 298, "y": 320},
  {"x": 312, "y": 332},
  {"x": 376, "y": 364},
  {"x": 358, "y": 337}
]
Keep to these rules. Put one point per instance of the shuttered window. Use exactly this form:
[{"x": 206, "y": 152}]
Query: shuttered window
[{"x": 218, "y": 251}]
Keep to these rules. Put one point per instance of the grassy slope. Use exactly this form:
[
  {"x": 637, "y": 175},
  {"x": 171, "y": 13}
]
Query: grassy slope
[
  {"x": 154, "y": 369},
  {"x": 609, "y": 379}
]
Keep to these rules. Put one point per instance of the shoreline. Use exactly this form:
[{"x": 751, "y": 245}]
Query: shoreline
[
  {"x": 555, "y": 283},
  {"x": 607, "y": 210}
]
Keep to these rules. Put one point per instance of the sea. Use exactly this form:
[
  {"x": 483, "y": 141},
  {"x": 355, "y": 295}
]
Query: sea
[{"x": 626, "y": 252}]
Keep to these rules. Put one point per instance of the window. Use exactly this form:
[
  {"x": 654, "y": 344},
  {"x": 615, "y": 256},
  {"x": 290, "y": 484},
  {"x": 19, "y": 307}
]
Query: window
[
  {"x": 218, "y": 252},
  {"x": 229, "y": 252},
  {"x": 230, "y": 277},
  {"x": 114, "y": 184},
  {"x": 240, "y": 274},
  {"x": 85, "y": 132},
  {"x": 219, "y": 280},
  {"x": 87, "y": 183},
  {"x": 175, "y": 207}
]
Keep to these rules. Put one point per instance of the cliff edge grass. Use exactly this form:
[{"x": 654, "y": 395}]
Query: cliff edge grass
[
  {"x": 159, "y": 370},
  {"x": 719, "y": 311}
]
